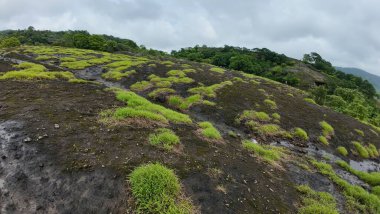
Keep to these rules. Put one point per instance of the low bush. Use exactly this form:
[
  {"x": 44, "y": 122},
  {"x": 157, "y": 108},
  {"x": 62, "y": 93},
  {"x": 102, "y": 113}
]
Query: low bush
[{"x": 270, "y": 103}]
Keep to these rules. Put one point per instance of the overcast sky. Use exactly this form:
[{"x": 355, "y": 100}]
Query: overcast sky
[{"x": 345, "y": 32}]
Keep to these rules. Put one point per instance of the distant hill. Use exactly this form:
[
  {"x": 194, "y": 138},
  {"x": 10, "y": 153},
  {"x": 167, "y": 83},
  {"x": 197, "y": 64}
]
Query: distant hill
[{"x": 374, "y": 79}]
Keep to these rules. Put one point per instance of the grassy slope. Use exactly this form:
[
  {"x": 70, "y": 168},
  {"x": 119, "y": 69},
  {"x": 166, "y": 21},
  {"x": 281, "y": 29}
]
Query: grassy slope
[{"x": 246, "y": 93}]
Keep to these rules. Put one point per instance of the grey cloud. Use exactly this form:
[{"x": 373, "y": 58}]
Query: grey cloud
[{"x": 343, "y": 31}]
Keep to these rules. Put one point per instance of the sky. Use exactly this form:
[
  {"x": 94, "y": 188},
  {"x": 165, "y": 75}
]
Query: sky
[{"x": 345, "y": 32}]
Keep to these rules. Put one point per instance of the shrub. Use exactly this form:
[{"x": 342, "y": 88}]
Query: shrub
[
  {"x": 361, "y": 149},
  {"x": 300, "y": 133},
  {"x": 9, "y": 42},
  {"x": 327, "y": 129},
  {"x": 156, "y": 189},
  {"x": 272, "y": 104},
  {"x": 323, "y": 140},
  {"x": 343, "y": 151},
  {"x": 316, "y": 202},
  {"x": 372, "y": 178},
  {"x": 268, "y": 153},
  {"x": 165, "y": 138},
  {"x": 209, "y": 131}
]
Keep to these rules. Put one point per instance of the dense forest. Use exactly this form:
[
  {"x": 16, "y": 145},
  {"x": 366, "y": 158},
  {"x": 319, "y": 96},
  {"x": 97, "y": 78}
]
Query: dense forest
[
  {"x": 342, "y": 92},
  {"x": 74, "y": 39}
]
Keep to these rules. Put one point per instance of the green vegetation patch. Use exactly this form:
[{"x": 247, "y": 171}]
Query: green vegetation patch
[
  {"x": 209, "y": 131},
  {"x": 267, "y": 152},
  {"x": 217, "y": 69},
  {"x": 270, "y": 130},
  {"x": 314, "y": 202},
  {"x": 141, "y": 86},
  {"x": 358, "y": 199},
  {"x": 323, "y": 140},
  {"x": 32, "y": 71},
  {"x": 360, "y": 132},
  {"x": 342, "y": 150},
  {"x": 300, "y": 133},
  {"x": 157, "y": 189},
  {"x": 160, "y": 92},
  {"x": 248, "y": 115},
  {"x": 209, "y": 91},
  {"x": 164, "y": 138},
  {"x": 309, "y": 100},
  {"x": 327, "y": 129},
  {"x": 362, "y": 151},
  {"x": 185, "y": 103},
  {"x": 115, "y": 74},
  {"x": 372, "y": 178},
  {"x": 76, "y": 65},
  {"x": 270, "y": 103},
  {"x": 139, "y": 107}
]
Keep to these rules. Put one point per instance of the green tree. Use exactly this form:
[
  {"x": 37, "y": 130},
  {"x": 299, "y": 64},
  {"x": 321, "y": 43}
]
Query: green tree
[{"x": 9, "y": 42}]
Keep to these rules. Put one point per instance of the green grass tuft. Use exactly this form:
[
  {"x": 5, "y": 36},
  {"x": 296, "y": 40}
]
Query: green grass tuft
[
  {"x": 209, "y": 91},
  {"x": 323, "y": 140},
  {"x": 327, "y": 129},
  {"x": 360, "y": 200},
  {"x": 164, "y": 138},
  {"x": 314, "y": 202},
  {"x": 309, "y": 100},
  {"x": 161, "y": 91},
  {"x": 372, "y": 178},
  {"x": 156, "y": 189},
  {"x": 269, "y": 129},
  {"x": 342, "y": 150},
  {"x": 139, "y": 107},
  {"x": 217, "y": 69},
  {"x": 141, "y": 86},
  {"x": 360, "y": 132},
  {"x": 268, "y": 153},
  {"x": 270, "y": 103},
  {"x": 209, "y": 131},
  {"x": 362, "y": 151},
  {"x": 300, "y": 133}
]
